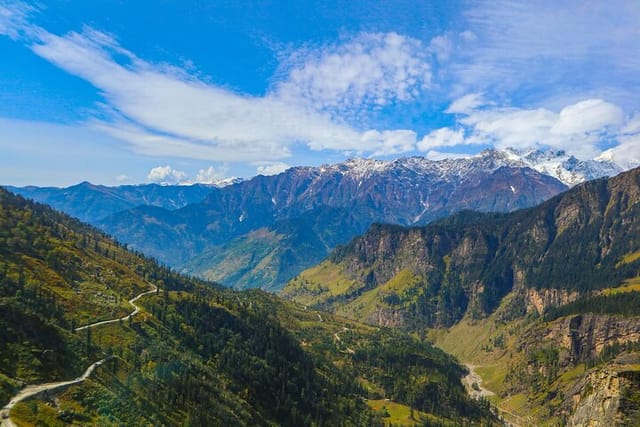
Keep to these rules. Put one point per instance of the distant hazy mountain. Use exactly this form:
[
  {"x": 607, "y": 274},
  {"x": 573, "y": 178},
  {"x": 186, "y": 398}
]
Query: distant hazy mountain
[
  {"x": 262, "y": 232},
  {"x": 90, "y": 203}
]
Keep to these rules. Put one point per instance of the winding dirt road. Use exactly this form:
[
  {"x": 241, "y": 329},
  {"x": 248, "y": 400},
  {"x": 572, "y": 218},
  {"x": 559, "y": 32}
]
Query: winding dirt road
[
  {"x": 135, "y": 311},
  {"x": 336, "y": 336},
  {"x": 478, "y": 392},
  {"x": 32, "y": 390}
]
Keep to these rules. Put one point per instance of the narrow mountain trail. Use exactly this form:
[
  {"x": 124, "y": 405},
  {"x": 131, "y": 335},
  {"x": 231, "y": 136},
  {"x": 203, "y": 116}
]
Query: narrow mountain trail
[
  {"x": 33, "y": 390},
  {"x": 135, "y": 311},
  {"x": 336, "y": 336}
]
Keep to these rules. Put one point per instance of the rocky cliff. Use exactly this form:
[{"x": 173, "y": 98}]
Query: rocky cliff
[{"x": 607, "y": 396}]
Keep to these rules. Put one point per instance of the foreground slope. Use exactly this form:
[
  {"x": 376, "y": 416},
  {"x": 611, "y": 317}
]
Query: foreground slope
[{"x": 194, "y": 354}]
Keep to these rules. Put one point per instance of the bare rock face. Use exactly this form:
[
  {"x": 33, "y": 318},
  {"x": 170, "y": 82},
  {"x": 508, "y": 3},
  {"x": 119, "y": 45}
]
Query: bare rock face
[
  {"x": 541, "y": 299},
  {"x": 387, "y": 318},
  {"x": 605, "y": 397},
  {"x": 596, "y": 400},
  {"x": 586, "y": 335}
]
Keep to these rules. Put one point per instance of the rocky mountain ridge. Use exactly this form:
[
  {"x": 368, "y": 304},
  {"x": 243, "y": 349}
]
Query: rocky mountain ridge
[{"x": 470, "y": 261}]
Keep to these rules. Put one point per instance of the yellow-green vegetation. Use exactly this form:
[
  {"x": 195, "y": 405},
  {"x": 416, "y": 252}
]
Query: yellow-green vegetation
[
  {"x": 573, "y": 373},
  {"x": 372, "y": 389},
  {"x": 36, "y": 413},
  {"x": 318, "y": 284},
  {"x": 629, "y": 258},
  {"x": 629, "y": 285},
  {"x": 402, "y": 290},
  {"x": 327, "y": 282},
  {"x": 397, "y": 414}
]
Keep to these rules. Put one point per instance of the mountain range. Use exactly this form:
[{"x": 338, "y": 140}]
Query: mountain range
[
  {"x": 264, "y": 231},
  {"x": 541, "y": 304},
  {"x": 468, "y": 262}
]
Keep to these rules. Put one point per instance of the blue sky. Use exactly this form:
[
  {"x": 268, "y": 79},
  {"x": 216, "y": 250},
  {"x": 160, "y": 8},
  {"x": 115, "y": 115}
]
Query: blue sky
[{"x": 191, "y": 91}]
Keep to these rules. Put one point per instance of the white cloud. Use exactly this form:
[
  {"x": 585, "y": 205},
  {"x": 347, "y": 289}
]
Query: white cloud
[
  {"x": 390, "y": 141},
  {"x": 165, "y": 101},
  {"x": 578, "y": 128},
  {"x": 166, "y": 175},
  {"x": 467, "y": 103},
  {"x": 163, "y": 111},
  {"x": 443, "y": 137},
  {"x": 211, "y": 175},
  {"x": 632, "y": 126},
  {"x": 370, "y": 70},
  {"x": 587, "y": 116},
  {"x": 546, "y": 49},
  {"x": 271, "y": 168},
  {"x": 442, "y": 47},
  {"x": 13, "y": 16},
  {"x": 627, "y": 152},
  {"x": 122, "y": 178}
]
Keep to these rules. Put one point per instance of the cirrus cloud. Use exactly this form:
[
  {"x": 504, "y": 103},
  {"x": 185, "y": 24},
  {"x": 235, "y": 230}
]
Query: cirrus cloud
[{"x": 162, "y": 110}]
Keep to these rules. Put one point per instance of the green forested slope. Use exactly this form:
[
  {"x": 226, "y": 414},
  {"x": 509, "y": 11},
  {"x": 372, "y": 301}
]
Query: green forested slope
[{"x": 196, "y": 354}]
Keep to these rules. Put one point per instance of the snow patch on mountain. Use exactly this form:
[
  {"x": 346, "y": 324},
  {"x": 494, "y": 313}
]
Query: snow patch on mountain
[{"x": 555, "y": 163}]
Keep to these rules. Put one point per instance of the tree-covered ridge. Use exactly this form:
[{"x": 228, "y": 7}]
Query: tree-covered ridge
[
  {"x": 579, "y": 241},
  {"x": 197, "y": 354}
]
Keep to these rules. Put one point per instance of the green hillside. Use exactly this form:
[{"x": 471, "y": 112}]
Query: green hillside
[{"x": 196, "y": 354}]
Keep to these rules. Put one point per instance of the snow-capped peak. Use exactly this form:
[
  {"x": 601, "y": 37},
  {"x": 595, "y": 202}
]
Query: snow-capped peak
[
  {"x": 226, "y": 181},
  {"x": 552, "y": 162},
  {"x": 564, "y": 166}
]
